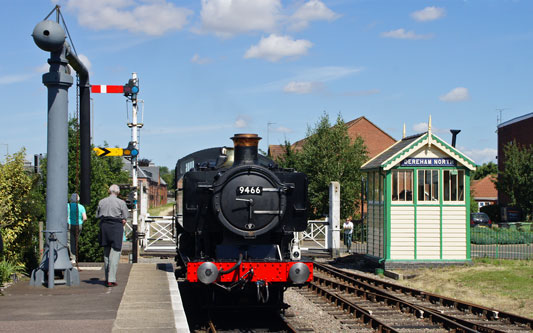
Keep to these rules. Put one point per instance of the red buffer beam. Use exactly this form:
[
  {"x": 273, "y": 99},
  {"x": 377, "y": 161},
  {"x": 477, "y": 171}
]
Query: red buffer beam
[{"x": 107, "y": 89}]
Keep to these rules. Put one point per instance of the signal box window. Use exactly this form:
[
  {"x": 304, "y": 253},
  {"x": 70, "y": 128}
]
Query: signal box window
[
  {"x": 402, "y": 185},
  {"x": 454, "y": 185},
  {"x": 428, "y": 185}
]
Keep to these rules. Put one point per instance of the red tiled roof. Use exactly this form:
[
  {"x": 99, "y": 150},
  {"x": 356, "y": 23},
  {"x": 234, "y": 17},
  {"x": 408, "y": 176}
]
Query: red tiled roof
[
  {"x": 376, "y": 140},
  {"x": 484, "y": 188}
]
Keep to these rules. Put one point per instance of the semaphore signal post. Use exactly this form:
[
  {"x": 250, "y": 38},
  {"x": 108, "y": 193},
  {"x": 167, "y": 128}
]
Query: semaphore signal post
[{"x": 130, "y": 91}]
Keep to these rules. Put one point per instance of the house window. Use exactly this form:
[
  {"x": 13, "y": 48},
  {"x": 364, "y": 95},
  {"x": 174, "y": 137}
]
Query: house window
[
  {"x": 454, "y": 185},
  {"x": 428, "y": 185},
  {"x": 402, "y": 185}
]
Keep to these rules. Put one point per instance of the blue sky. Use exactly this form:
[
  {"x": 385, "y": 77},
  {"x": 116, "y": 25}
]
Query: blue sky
[{"x": 212, "y": 68}]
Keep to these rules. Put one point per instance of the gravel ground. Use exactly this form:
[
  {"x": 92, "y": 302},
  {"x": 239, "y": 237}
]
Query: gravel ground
[{"x": 309, "y": 315}]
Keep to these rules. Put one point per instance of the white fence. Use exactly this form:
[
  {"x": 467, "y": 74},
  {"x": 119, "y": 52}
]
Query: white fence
[
  {"x": 160, "y": 235},
  {"x": 315, "y": 237}
]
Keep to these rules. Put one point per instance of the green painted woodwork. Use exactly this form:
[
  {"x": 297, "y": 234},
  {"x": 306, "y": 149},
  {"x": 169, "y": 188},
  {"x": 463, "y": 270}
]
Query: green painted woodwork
[
  {"x": 455, "y": 151},
  {"x": 415, "y": 204},
  {"x": 404, "y": 151},
  {"x": 441, "y": 195},
  {"x": 467, "y": 202},
  {"x": 387, "y": 217}
]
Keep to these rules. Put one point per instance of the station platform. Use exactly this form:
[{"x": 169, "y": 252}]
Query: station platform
[{"x": 147, "y": 299}]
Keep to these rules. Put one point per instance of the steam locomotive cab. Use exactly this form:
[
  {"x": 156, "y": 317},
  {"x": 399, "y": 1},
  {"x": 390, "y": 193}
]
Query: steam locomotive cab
[{"x": 238, "y": 225}]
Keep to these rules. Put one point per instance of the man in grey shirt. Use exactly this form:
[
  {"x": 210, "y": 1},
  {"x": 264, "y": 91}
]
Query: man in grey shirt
[{"x": 113, "y": 213}]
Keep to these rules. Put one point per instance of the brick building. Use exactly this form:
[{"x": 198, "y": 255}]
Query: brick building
[
  {"x": 376, "y": 140},
  {"x": 520, "y": 130},
  {"x": 484, "y": 191},
  {"x": 154, "y": 186}
]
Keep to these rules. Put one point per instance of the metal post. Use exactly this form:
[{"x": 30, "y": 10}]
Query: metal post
[
  {"x": 335, "y": 217},
  {"x": 85, "y": 141},
  {"x": 134, "y": 129},
  {"x": 49, "y": 36}
]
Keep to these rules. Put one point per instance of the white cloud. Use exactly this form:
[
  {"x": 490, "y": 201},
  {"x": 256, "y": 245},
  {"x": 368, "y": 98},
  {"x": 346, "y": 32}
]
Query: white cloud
[
  {"x": 43, "y": 68},
  {"x": 402, "y": 34},
  {"x": 14, "y": 78},
  {"x": 317, "y": 74},
  {"x": 420, "y": 127},
  {"x": 456, "y": 95},
  {"x": 229, "y": 17},
  {"x": 428, "y": 14},
  {"x": 358, "y": 93},
  {"x": 153, "y": 18},
  {"x": 282, "y": 129},
  {"x": 241, "y": 121},
  {"x": 303, "y": 87},
  {"x": 423, "y": 127},
  {"x": 481, "y": 156},
  {"x": 274, "y": 47},
  {"x": 313, "y": 10},
  {"x": 196, "y": 59}
]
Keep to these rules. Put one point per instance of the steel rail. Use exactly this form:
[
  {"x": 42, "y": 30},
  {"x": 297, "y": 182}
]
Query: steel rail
[
  {"x": 488, "y": 313},
  {"x": 359, "y": 313},
  {"x": 444, "y": 321}
]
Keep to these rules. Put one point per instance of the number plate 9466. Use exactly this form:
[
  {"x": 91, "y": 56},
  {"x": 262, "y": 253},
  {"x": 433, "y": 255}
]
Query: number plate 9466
[{"x": 253, "y": 190}]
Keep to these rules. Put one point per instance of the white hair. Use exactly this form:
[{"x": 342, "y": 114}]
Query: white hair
[
  {"x": 74, "y": 198},
  {"x": 114, "y": 189}
]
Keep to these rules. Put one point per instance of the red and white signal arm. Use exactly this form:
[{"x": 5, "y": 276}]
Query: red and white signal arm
[{"x": 107, "y": 89}]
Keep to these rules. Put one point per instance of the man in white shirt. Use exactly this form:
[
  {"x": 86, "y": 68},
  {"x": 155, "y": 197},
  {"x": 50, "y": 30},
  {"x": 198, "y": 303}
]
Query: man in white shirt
[{"x": 348, "y": 230}]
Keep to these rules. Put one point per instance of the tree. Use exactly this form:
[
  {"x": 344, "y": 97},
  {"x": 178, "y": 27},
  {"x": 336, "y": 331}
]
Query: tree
[
  {"x": 328, "y": 154},
  {"x": 484, "y": 170},
  {"x": 18, "y": 211},
  {"x": 517, "y": 177},
  {"x": 105, "y": 171},
  {"x": 289, "y": 158},
  {"x": 168, "y": 177}
]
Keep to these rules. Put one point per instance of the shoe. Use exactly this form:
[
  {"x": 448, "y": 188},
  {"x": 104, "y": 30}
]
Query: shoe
[{"x": 111, "y": 284}]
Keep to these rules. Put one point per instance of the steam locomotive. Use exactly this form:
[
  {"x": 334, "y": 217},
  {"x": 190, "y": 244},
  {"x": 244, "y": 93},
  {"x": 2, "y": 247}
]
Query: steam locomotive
[{"x": 237, "y": 214}]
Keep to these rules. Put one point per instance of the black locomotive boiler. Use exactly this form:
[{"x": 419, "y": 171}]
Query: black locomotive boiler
[{"x": 239, "y": 214}]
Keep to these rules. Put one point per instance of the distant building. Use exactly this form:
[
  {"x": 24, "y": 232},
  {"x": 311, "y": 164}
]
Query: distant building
[
  {"x": 376, "y": 140},
  {"x": 484, "y": 191},
  {"x": 155, "y": 186},
  {"x": 519, "y": 130}
]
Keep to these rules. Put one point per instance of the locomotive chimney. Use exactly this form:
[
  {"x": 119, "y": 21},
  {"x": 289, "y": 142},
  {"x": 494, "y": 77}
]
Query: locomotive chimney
[{"x": 245, "y": 149}]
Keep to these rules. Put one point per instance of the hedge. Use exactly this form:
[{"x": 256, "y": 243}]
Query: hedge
[{"x": 486, "y": 236}]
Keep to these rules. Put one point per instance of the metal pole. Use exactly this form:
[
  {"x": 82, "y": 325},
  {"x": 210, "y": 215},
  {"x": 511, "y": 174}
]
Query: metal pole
[
  {"x": 85, "y": 141},
  {"x": 134, "y": 134},
  {"x": 49, "y": 36}
]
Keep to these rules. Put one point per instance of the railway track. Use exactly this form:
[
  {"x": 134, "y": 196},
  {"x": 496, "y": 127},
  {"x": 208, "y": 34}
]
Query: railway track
[{"x": 388, "y": 307}]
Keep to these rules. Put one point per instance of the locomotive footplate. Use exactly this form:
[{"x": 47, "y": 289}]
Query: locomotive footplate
[{"x": 251, "y": 271}]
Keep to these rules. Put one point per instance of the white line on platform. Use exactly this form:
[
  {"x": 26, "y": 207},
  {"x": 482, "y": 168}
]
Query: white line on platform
[{"x": 180, "y": 320}]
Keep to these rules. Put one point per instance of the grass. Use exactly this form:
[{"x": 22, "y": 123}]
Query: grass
[
  {"x": 156, "y": 211},
  {"x": 505, "y": 285}
]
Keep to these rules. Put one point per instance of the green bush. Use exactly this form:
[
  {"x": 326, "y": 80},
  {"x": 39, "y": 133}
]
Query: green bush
[
  {"x": 7, "y": 269},
  {"x": 484, "y": 236}
]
